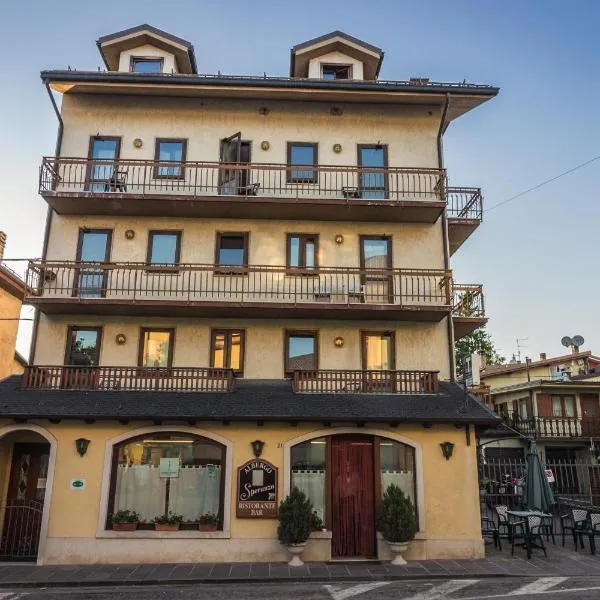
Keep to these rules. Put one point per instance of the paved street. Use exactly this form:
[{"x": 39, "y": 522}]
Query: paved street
[{"x": 547, "y": 588}]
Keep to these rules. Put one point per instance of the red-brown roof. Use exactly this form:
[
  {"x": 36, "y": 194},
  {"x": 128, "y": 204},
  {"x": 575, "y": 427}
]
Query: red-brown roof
[
  {"x": 12, "y": 283},
  {"x": 521, "y": 366}
]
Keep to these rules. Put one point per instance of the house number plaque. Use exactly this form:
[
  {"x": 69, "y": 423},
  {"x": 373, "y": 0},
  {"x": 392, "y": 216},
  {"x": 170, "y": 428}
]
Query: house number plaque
[{"x": 257, "y": 490}]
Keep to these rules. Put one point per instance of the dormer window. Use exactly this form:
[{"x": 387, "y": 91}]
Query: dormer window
[
  {"x": 146, "y": 65},
  {"x": 336, "y": 71}
]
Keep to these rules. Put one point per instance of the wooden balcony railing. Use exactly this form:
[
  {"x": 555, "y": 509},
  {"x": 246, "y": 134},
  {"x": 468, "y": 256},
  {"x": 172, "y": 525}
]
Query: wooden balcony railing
[
  {"x": 361, "y": 382},
  {"x": 468, "y": 300},
  {"x": 555, "y": 427},
  {"x": 201, "y": 179},
  {"x": 167, "y": 379},
  {"x": 187, "y": 283},
  {"x": 465, "y": 203}
]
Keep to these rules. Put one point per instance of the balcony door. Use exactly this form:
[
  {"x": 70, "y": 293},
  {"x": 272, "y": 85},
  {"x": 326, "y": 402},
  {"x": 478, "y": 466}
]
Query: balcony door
[
  {"x": 94, "y": 248},
  {"x": 378, "y": 360},
  {"x": 373, "y": 178},
  {"x": 234, "y": 151},
  {"x": 589, "y": 415},
  {"x": 103, "y": 155},
  {"x": 376, "y": 264}
]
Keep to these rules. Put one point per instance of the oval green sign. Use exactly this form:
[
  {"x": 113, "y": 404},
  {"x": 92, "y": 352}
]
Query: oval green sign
[{"x": 77, "y": 484}]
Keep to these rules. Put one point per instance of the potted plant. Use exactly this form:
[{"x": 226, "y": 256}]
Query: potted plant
[
  {"x": 168, "y": 521},
  {"x": 316, "y": 523},
  {"x": 208, "y": 522},
  {"x": 125, "y": 520},
  {"x": 397, "y": 522},
  {"x": 295, "y": 519}
]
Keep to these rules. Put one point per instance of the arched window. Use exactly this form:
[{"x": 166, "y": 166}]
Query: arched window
[
  {"x": 160, "y": 472},
  {"x": 397, "y": 466}
]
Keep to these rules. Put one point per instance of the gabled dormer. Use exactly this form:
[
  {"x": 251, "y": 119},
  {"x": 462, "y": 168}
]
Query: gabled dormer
[
  {"x": 336, "y": 55},
  {"x": 146, "y": 49}
]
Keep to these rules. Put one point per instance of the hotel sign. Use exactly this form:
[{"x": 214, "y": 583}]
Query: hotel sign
[{"x": 257, "y": 490}]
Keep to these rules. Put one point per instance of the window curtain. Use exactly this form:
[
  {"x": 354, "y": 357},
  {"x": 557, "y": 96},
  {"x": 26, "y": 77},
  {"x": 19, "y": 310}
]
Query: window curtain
[
  {"x": 196, "y": 491},
  {"x": 140, "y": 488},
  {"x": 312, "y": 483},
  {"x": 405, "y": 480}
]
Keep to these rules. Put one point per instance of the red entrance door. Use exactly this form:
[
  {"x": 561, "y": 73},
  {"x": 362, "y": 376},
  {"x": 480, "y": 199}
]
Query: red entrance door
[
  {"x": 22, "y": 511},
  {"x": 352, "y": 497},
  {"x": 589, "y": 417}
]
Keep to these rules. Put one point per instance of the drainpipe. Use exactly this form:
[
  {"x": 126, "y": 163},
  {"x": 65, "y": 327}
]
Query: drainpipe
[
  {"x": 449, "y": 324},
  {"x": 49, "y": 214}
]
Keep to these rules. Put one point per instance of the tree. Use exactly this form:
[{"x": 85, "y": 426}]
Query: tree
[{"x": 480, "y": 341}]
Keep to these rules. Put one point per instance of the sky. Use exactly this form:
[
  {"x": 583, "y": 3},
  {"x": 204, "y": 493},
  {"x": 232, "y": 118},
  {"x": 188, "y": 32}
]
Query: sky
[{"x": 536, "y": 256}]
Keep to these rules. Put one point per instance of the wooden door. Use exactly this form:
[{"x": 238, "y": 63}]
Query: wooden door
[
  {"x": 24, "y": 501},
  {"x": 589, "y": 415},
  {"x": 352, "y": 497}
]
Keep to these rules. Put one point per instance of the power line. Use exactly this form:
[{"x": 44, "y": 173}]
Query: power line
[{"x": 539, "y": 185}]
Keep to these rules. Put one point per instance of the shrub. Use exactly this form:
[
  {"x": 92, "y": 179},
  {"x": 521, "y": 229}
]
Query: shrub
[
  {"x": 295, "y": 518},
  {"x": 316, "y": 523},
  {"x": 126, "y": 516},
  {"x": 169, "y": 518},
  {"x": 397, "y": 520},
  {"x": 208, "y": 519}
]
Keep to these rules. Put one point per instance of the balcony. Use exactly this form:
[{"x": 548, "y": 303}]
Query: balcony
[
  {"x": 468, "y": 310},
  {"x": 555, "y": 427},
  {"x": 195, "y": 290},
  {"x": 253, "y": 191},
  {"x": 171, "y": 379},
  {"x": 366, "y": 382},
  {"x": 465, "y": 212}
]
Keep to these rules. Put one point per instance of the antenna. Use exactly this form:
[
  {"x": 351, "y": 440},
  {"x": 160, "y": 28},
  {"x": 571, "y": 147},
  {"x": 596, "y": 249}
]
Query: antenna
[
  {"x": 520, "y": 345},
  {"x": 566, "y": 341},
  {"x": 576, "y": 341}
]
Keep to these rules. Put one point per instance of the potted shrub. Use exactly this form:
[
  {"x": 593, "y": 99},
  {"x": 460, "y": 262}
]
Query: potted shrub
[
  {"x": 316, "y": 523},
  {"x": 208, "y": 522},
  {"x": 125, "y": 520},
  {"x": 168, "y": 521},
  {"x": 397, "y": 522},
  {"x": 295, "y": 519}
]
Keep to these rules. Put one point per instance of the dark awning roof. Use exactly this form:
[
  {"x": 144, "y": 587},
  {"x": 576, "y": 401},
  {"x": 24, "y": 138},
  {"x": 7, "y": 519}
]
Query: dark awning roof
[{"x": 251, "y": 400}]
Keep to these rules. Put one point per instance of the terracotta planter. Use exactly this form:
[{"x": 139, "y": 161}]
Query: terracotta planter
[
  {"x": 296, "y": 550},
  {"x": 207, "y": 526},
  {"x": 397, "y": 550},
  {"x": 165, "y": 527},
  {"x": 124, "y": 526}
]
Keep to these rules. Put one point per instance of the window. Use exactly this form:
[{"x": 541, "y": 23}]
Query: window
[
  {"x": 378, "y": 351},
  {"x": 170, "y": 151},
  {"x": 103, "y": 154},
  {"x": 93, "y": 246},
  {"x": 163, "y": 247},
  {"x": 302, "y": 250},
  {"x": 308, "y": 466},
  {"x": 302, "y": 154},
  {"x": 227, "y": 349},
  {"x": 232, "y": 249},
  {"x": 563, "y": 406},
  {"x": 524, "y": 409},
  {"x": 336, "y": 71},
  {"x": 375, "y": 253},
  {"x": 301, "y": 351},
  {"x": 397, "y": 467},
  {"x": 146, "y": 65},
  {"x": 83, "y": 346},
  {"x": 156, "y": 347},
  {"x": 373, "y": 162},
  {"x": 194, "y": 487}
]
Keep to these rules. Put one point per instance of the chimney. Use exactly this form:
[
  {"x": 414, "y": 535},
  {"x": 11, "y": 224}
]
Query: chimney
[
  {"x": 542, "y": 356},
  {"x": 2, "y": 244}
]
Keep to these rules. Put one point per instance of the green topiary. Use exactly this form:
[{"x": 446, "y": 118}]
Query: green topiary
[
  {"x": 397, "y": 520},
  {"x": 295, "y": 518}
]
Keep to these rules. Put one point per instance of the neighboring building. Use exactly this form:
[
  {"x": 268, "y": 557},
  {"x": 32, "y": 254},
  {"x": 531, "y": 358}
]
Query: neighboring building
[
  {"x": 237, "y": 265},
  {"x": 19, "y": 364},
  {"x": 12, "y": 292}
]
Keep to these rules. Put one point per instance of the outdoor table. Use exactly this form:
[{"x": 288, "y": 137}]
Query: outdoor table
[{"x": 524, "y": 515}]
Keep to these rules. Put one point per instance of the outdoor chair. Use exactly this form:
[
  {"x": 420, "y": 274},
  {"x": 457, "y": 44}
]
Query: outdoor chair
[
  {"x": 592, "y": 529},
  {"x": 489, "y": 528},
  {"x": 548, "y": 528},
  {"x": 504, "y": 523},
  {"x": 249, "y": 190},
  {"x": 117, "y": 182},
  {"x": 573, "y": 522},
  {"x": 529, "y": 532}
]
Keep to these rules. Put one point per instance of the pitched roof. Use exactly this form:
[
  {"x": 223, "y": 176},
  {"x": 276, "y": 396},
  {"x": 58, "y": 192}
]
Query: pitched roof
[
  {"x": 21, "y": 359},
  {"x": 513, "y": 367},
  {"x": 12, "y": 283},
  {"x": 251, "y": 400}
]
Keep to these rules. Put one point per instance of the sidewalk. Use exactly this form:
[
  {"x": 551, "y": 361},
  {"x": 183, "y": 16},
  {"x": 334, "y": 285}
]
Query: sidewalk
[{"x": 560, "y": 562}]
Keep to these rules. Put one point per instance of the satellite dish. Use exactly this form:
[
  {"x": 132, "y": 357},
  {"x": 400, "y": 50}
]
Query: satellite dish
[
  {"x": 567, "y": 342},
  {"x": 578, "y": 340}
]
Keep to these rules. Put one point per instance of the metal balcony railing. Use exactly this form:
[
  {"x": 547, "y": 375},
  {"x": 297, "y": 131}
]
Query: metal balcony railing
[
  {"x": 366, "y": 381},
  {"x": 465, "y": 203},
  {"x": 201, "y": 179},
  {"x": 468, "y": 300},
  {"x": 555, "y": 427},
  {"x": 166, "y": 379}
]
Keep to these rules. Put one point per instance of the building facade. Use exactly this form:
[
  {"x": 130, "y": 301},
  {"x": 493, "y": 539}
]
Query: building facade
[{"x": 237, "y": 270}]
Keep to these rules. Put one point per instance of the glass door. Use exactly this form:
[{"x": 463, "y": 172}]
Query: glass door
[
  {"x": 373, "y": 180},
  {"x": 93, "y": 247},
  {"x": 229, "y": 176},
  {"x": 375, "y": 267},
  {"x": 103, "y": 155},
  {"x": 378, "y": 361}
]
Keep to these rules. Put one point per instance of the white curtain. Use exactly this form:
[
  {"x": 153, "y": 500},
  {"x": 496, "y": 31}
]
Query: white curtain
[
  {"x": 196, "y": 491},
  {"x": 312, "y": 483},
  {"x": 405, "y": 480},
  {"x": 140, "y": 488}
]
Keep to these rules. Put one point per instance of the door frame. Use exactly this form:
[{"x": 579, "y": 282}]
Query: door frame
[
  {"x": 4, "y": 431},
  {"x": 107, "y": 253},
  {"x": 90, "y": 166}
]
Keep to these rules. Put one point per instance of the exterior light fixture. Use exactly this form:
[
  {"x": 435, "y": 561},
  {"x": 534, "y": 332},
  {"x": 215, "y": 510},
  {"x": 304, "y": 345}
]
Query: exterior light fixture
[
  {"x": 336, "y": 111},
  {"x": 339, "y": 342},
  {"x": 264, "y": 111},
  {"x": 265, "y": 145},
  {"x": 257, "y": 447},
  {"x": 339, "y": 238},
  {"x": 81, "y": 444},
  {"x": 120, "y": 338},
  {"x": 130, "y": 234},
  {"x": 337, "y": 148},
  {"x": 447, "y": 449},
  {"x": 137, "y": 143}
]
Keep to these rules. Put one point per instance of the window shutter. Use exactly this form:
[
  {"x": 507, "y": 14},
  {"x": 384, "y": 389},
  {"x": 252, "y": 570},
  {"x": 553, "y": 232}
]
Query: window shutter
[
  {"x": 544, "y": 405},
  {"x": 529, "y": 408},
  {"x": 515, "y": 408}
]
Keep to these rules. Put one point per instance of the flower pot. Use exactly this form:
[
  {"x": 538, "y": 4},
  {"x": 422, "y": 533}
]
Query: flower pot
[
  {"x": 397, "y": 550},
  {"x": 124, "y": 526},
  {"x": 296, "y": 550},
  {"x": 207, "y": 526},
  {"x": 166, "y": 527}
]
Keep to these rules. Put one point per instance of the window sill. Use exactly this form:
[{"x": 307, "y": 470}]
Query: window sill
[
  {"x": 166, "y": 535},
  {"x": 320, "y": 535}
]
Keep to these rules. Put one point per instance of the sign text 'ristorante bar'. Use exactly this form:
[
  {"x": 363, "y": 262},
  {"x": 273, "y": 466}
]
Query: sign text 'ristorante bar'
[{"x": 257, "y": 490}]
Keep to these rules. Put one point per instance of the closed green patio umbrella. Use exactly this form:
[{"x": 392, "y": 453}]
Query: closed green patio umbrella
[{"x": 537, "y": 494}]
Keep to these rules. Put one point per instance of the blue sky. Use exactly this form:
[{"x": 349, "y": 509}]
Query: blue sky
[{"x": 537, "y": 256}]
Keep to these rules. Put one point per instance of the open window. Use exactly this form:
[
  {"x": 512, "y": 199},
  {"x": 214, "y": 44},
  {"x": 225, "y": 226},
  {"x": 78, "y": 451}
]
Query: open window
[{"x": 333, "y": 71}]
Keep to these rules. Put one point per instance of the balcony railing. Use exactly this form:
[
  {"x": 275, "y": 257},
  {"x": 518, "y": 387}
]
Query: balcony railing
[
  {"x": 555, "y": 427},
  {"x": 468, "y": 301},
  {"x": 167, "y": 379},
  {"x": 201, "y": 179},
  {"x": 361, "y": 382},
  {"x": 465, "y": 203},
  {"x": 255, "y": 284}
]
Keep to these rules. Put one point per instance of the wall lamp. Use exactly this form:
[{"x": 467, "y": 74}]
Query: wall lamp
[
  {"x": 447, "y": 449},
  {"x": 257, "y": 447},
  {"x": 81, "y": 444}
]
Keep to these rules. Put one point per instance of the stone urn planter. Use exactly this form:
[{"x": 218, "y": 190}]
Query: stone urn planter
[
  {"x": 397, "y": 551},
  {"x": 296, "y": 550}
]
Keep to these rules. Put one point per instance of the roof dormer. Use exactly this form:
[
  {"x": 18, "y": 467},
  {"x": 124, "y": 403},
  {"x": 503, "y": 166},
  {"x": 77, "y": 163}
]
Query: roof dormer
[
  {"x": 146, "y": 49},
  {"x": 336, "y": 56}
]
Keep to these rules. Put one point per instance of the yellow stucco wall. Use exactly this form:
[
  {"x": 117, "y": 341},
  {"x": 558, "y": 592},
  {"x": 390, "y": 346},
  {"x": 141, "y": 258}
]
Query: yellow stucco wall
[{"x": 10, "y": 309}]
